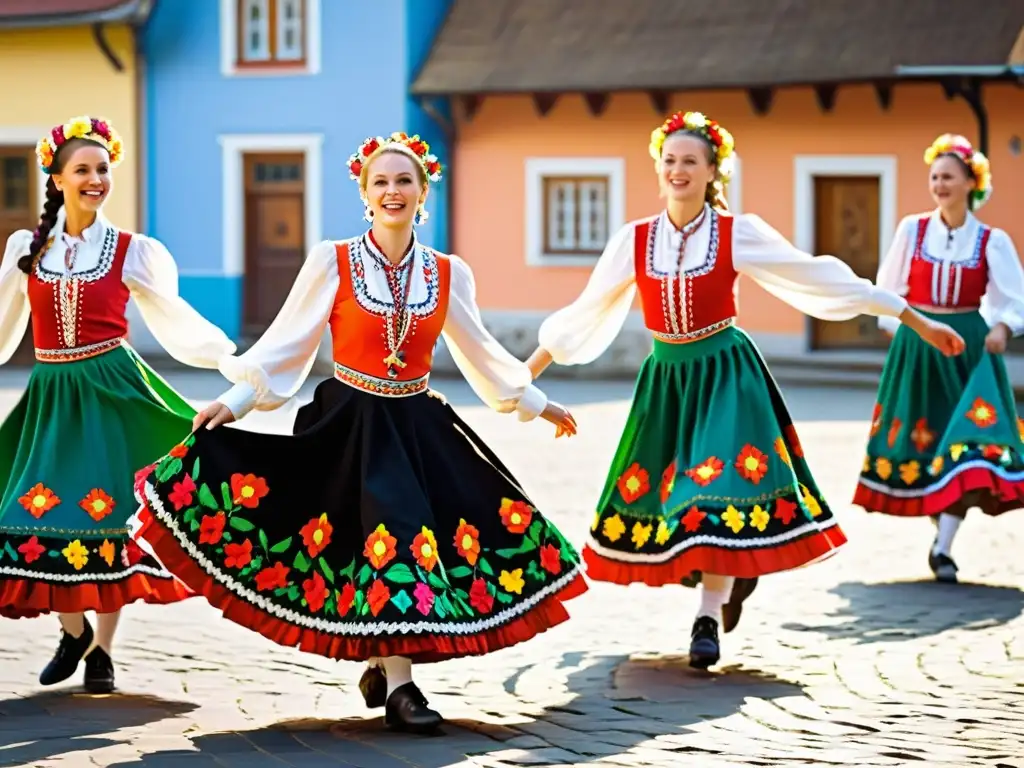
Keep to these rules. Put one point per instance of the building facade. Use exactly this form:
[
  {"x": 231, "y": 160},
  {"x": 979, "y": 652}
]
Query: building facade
[
  {"x": 252, "y": 108},
  {"x": 554, "y": 110},
  {"x": 59, "y": 60}
]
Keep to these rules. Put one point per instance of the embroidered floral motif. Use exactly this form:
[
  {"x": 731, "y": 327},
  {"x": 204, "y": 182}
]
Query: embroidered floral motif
[
  {"x": 32, "y": 550},
  {"x": 668, "y": 481},
  {"x": 982, "y": 413},
  {"x": 759, "y": 518},
  {"x": 73, "y": 562},
  {"x": 76, "y": 554},
  {"x": 211, "y": 528},
  {"x": 424, "y": 549},
  {"x": 97, "y": 503},
  {"x": 876, "y": 419},
  {"x": 39, "y": 500},
  {"x": 782, "y": 451},
  {"x": 663, "y": 534},
  {"x": 692, "y": 520},
  {"x": 613, "y": 528},
  {"x": 883, "y": 467},
  {"x": 634, "y": 483},
  {"x": 810, "y": 502},
  {"x": 894, "y": 432},
  {"x": 751, "y": 464},
  {"x": 936, "y": 466},
  {"x": 785, "y": 511},
  {"x": 380, "y": 547},
  {"x": 516, "y": 515},
  {"x": 512, "y": 581},
  {"x": 641, "y": 533},
  {"x": 703, "y": 474},
  {"x": 956, "y": 451},
  {"x": 181, "y": 494},
  {"x": 734, "y": 519},
  {"x": 467, "y": 542},
  {"x": 247, "y": 490},
  {"x": 107, "y": 552},
  {"x": 316, "y": 535},
  {"x": 795, "y": 446},
  {"x": 921, "y": 436},
  {"x": 910, "y": 471}
]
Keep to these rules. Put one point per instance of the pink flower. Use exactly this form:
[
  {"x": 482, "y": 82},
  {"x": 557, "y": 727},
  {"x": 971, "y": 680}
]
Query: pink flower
[
  {"x": 181, "y": 493},
  {"x": 58, "y": 135},
  {"x": 424, "y": 598}
]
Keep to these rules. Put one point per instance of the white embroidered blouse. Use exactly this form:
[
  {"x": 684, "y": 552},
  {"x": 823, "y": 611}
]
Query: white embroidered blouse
[
  {"x": 1003, "y": 301},
  {"x": 820, "y": 286},
  {"x": 149, "y": 273},
  {"x": 275, "y": 367}
]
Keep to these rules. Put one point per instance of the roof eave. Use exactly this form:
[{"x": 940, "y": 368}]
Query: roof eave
[{"x": 133, "y": 12}]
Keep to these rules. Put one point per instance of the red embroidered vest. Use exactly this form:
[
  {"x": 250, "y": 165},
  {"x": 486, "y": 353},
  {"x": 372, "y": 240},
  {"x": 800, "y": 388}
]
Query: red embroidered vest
[
  {"x": 966, "y": 283},
  {"x": 695, "y": 303},
  {"x": 83, "y": 316},
  {"x": 359, "y": 326}
]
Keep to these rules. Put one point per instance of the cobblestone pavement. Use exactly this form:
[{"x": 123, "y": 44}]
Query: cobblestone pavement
[{"x": 860, "y": 660}]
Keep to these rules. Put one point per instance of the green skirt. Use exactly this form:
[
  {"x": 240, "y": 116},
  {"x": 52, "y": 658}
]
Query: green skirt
[
  {"x": 709, "y": 476},
  {"x": 68, "y": 454},
  {"x": 945, "y": 435}
]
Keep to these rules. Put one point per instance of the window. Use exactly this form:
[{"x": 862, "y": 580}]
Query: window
[
  {"x": 15, "y": 185},
  {"x": 573, "y": 206},
  {"x": 268, "y": 36}
]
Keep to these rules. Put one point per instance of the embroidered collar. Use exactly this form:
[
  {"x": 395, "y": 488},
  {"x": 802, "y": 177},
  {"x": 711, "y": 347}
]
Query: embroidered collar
[
  {"x": 371, "y": 245},
  {"x": 688, "y": 229},
  {"x": 93, "y": 234}
]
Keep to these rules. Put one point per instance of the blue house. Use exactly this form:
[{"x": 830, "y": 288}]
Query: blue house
[{"x": 251, "y": 109}]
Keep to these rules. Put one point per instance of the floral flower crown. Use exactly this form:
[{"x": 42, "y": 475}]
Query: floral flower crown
[
  {"x": 92, "y": 128},
  {"x": 715, "y": 134},
  {"x": 953, "y": 144},
  {"x": 431, "y": 165}
]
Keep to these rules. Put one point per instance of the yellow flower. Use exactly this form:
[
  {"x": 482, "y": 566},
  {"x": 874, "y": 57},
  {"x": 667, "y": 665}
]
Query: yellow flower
[
  {"x": 76, "y": 554},
  {"x": 810, "y": 502},
  {"x": 512, "y": 582},
  {"x": 662, "y": 534},
  {"x": 956, "y": 451},
  {"x": 77, "y": 128},
  {"x": 107, "y": 552},
  {"x": 883, "y": 467},
  {"x": 910, "y": 471},
  {"x": 641, "y": 533},
  {"x": 734, "y": 519},
  {"x": 614, "y": 528},
  {"x": 759, "y": 518},
  {"x": 116, "y": 150},
  {"x": 936, "y": 465}
]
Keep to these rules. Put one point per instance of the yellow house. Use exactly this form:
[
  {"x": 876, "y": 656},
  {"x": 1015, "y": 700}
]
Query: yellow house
[{"x": 58, "y": 59}]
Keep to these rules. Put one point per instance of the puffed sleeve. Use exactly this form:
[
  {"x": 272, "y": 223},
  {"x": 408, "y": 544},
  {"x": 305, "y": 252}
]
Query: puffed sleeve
[
  {"x": 499, "y": 379},
  {"x": 894, "y": 268},
  {"x": 270, "y": 372},
  {"x": 821, "y": 286},
  {"x": 14, "y": 309},
  {"x": 1003, "y": 301},
  {"x": 581, "y": 332},
  {"x": 152, "y": 277}
]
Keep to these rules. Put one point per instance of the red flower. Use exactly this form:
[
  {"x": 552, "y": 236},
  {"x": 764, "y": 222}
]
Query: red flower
[
  {"x": 378, "y": 596},
  {"x": 922, "y": 436},
  {"x": 668, "y": 481},
  {"x": 551, "y": 559},
  {"x": 97, "y": 503},
  {"x": 179, "y": 451},
  {"x": 467, "y": 542},
  {"x": 39, "y": 500},
  {"x": 982, "y": 413},
  {"x": 274, "y": 577},
  {"x": 992, "y": 451},
  {"x": 785, "y": 511},
  {"x": 131, "y": 554},
  {"x": 247, "y": 490},
  {"x": 479, "y": 597},
  {"x": 706, "y": 473},
  {"x": 58, "y": 135},
  {"x": 32, "y": 549},
  {"x": 237, "y": 555},
  {"x": 211, "y": 528},
  {"x": 181, "y": 493},
  {"x": 380, "y": 548},
  {"x": 355, "y": 167},
  {"x": 694, "y": 517},
  {"x": 316, "y": 535},
  {"x": 634, "y": 483},
  {"x": 424, "y": 549},
  {"x": 369, "y": 147},
  {"x": 424, "y": 598},
  {"x": 417, "y": 147},
  {"x": 315, "y": 591},
  {"x": 101, "y": 127},
  {"x": 751, "y": 464},
  {"x": 516, "y": 515},
  {"x": 346, "y": 597}
]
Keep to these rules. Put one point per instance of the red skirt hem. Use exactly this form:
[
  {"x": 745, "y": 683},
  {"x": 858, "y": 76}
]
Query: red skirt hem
[
  {"x": 742, "y": 564},
  {"x": 1003, "y": 495},
  {"x": 549, "y": 613},
  {"x": 28, "y": 598}
]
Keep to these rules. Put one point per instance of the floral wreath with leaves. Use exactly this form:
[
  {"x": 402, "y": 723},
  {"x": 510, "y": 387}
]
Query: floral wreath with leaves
[
  {"x": 696, "y": 122},
  {"x": 374, "y": 145},
  {"x": 959, "y": 146},
  {"x": 94, "y": 129}
]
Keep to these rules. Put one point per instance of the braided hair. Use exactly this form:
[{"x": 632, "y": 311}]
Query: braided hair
[{"x": 54, "y": 202}]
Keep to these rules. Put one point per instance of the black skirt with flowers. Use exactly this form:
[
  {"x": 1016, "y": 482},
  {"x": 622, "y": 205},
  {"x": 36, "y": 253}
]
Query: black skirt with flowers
[{"x": 383, "y": 526}]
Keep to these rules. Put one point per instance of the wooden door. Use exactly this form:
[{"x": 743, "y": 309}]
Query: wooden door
[
  {"x": 275, "y": 235},
  {"x": 846, "y": 213},
  {"x": 19, "y": 209}
]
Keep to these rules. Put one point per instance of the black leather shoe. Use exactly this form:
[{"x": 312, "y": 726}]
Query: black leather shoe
[
  {"x": 69, "y": 653},
  {"x": 732, "y": 610},
  {"x": 943, "y": 567},
  {"x": 374, "y": 687},
  {"x": 704, "y": 648},
  {"x": 407, "y": 710},
  {"x": 99, "y": 672}
]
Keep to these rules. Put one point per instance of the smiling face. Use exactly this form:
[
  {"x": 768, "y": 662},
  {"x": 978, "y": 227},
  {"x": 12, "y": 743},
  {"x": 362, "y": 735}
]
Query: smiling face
[
  {"x": 394, "y": 188},
  {"x": 950, "y": 182},
  {"x": 84, "y": 175},
  {"x": 686, "y": 168}
]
